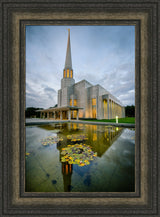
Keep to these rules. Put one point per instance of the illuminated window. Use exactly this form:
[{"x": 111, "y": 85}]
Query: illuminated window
[
  {"x": 110, "y": 107},
  {"x": 67, "y": 73},
  {"x": 64, "y": 75},
  {"x": 74, "y": 116},
  {"x": 71, "y": 73},
  {"x": 105, "y": 109},
  {"x": 93, "y": 101},
  {"x": 93, "y": 108},
  {"x": 75, "y": 102},
  {"x": 70, "y": 102}
]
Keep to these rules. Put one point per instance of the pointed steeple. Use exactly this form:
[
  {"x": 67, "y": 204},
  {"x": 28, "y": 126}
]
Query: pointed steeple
[
  {"x": 67, "y": 79},
  {"x": 68, "y": 62}
]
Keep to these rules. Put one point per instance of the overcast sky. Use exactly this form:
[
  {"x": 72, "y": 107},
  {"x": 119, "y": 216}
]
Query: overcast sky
[{"x": 102, "y": 55}]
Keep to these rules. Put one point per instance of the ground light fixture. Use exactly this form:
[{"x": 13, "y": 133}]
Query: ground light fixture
[{"x": 116, "y": 119}]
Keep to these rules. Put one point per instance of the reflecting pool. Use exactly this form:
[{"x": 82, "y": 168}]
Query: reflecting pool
[{"x": 72, "y": 157}]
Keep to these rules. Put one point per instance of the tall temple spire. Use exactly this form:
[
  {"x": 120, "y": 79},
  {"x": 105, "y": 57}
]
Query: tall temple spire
[
  {"x": 68, "y": 62},
  {"x": 67, "y": 79}
]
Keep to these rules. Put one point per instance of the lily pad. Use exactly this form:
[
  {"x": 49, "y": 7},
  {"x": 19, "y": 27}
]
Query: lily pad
[
  {"x": 77, "y": 137},
  {"x": 50, "y": 140},
  {"x": 80, "y": 154}
]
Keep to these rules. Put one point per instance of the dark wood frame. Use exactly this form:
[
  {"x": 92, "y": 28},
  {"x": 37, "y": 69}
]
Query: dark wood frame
[{"x": 144, "y": 14}]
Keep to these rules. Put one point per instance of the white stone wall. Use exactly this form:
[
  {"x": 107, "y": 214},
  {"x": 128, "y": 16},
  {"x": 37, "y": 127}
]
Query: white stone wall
[
  {"x": 80, "y": 92},
  {"x": 92, "y": 92},
  {"x": 84, "y": 92},
  {"x": 59, "y": 98},
  {"x": 66, "y": 82},
  {"x": 64, "y": 101}
]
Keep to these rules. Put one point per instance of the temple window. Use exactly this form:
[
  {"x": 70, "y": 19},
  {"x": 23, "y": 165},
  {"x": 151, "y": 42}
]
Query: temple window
[
  {"x": 93, "y": 101},
  {"x": 71, "y": 73},
  {"x": 93, "y": 108},
  {"x": 74, "y": 116},
  {"x": 67, "y": 73},
  {"x": 75, "y": 102},
  {"x": 70, "y": 102},
  {"x": 105, "y": 109},
  {"x": 64, "y": 75}
]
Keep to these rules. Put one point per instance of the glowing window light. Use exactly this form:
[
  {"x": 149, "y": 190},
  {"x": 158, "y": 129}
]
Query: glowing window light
[
  {"x": 67, "y": 73},
  {"x": 105, "y": 108},
  {"x": 94, "y": 108},
  {"x": 93, "y": 101},
  {"x": 75, "y": 102},
  {"x": 70, "y": 102},
  {"x": 71, "y": 73}
]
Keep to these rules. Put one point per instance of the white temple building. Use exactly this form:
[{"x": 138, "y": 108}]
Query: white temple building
[{"x": 82, "y": 99}]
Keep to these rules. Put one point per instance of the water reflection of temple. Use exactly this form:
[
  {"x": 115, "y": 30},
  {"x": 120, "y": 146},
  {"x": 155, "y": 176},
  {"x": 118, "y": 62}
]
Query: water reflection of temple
[
  {"x": 65, "y": 127},
  {"x": 67, "y": 173},
  {"x": 100, "y": 138}
]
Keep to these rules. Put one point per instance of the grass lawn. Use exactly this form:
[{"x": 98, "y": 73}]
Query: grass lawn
[{"x": 128, "y": 120}]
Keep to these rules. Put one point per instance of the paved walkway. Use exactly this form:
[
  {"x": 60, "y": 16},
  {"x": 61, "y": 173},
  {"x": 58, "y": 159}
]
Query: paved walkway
[{"x": 39, "y": 121}]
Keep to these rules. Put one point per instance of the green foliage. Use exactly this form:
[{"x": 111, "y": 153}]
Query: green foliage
[
  {"x": 77, "y": 137},
  {"x": 127, "y": 120},
  {"x": 31, "y": 112},
  {"x": 54, "y": 106},
  {"x": 50, "y": 140},
  {"x": 130, "y": 111}
]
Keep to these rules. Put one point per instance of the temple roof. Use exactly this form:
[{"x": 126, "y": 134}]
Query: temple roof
[
  {"x": 64, "y": 108},
  {"x": 68, "y": 62}
]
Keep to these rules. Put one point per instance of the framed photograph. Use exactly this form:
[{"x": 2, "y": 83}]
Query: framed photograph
[
  {"x": 80, "y": 155},
  {"x": 84, "y": 155}
]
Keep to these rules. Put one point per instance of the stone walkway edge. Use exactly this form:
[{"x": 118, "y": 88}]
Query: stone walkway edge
[{"x": 32, "y": 122}]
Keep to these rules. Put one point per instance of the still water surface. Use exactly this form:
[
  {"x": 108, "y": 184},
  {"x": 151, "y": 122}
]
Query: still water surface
[{"x": 74, "y": 157}]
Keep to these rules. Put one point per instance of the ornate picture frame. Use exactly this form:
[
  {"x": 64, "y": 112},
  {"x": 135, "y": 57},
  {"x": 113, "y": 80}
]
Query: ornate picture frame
[{"x": 15, "y": 15}]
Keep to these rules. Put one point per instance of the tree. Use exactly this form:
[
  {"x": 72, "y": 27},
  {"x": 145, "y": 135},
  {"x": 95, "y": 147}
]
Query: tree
[
  {"x": 31, "y": 112},
  {"x": 54, "y": 106},
  {"x": 130, "y": 111}
]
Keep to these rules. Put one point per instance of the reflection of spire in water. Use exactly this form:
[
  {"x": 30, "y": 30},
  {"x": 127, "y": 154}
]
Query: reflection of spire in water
[
  {"x": 67, "y": 174},
  {"x": 100, "y": 138},
  {"x": 66, "y": 168}
]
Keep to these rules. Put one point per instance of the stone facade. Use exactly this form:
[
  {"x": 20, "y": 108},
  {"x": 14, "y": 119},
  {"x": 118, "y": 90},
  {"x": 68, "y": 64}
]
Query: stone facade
[
  {"x": 94, "y": 99},
  {"x": 82, "y": 99}
]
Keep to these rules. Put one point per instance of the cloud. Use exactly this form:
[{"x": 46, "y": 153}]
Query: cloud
[
  {"x": 49, "y": 90},
  {"x": 102, "y": 55},
  {"x": 120, "y": 81},
  {"x": 42, "y": 97}
]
